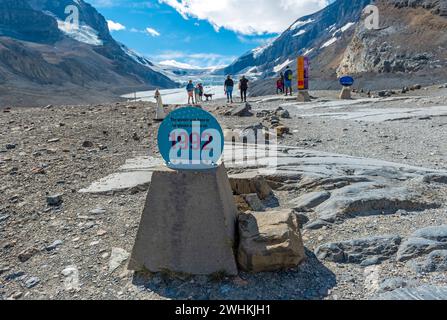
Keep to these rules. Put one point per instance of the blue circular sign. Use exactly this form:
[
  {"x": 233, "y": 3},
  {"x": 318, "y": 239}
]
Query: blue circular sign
[
  {"x": 190, "y": 139},
  {"x": 347, "y": 81}
]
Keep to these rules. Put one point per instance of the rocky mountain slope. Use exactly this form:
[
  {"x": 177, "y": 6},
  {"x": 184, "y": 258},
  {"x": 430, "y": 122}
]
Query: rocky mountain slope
[
  {"x": 411, "y": 40},
  {"x": 42, "y": 60},
  {"x": 327, "y": 30}
]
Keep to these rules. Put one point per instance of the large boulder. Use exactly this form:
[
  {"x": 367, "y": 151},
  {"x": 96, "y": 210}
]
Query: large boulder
[{"x": 269, "y": 241}]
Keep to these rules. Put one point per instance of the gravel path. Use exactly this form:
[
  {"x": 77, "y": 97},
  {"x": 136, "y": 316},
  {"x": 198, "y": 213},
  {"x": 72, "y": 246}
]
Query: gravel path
[{"x": 66, "y": 251}]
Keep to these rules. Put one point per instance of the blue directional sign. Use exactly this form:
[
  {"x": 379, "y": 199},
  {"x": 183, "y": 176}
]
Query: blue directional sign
[
  {"x": 190, "y": 139},
  {"x": 347, "y": 81}
]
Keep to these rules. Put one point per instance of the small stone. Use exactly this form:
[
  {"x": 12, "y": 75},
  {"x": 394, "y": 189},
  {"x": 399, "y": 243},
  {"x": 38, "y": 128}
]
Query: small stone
[
  {"x": 27, "y": 254},
  {"x": 101, "y": 233},
  {"x": 14, "y": 275},
  {"x": 32, "y": 282},
  {"x": 54, "y": 200},
  {"x": 54, "y": 245},
  {"x": 370, "y": 262},
  {"x": 10, "y": 146},
  {"x": 117, "y": 257},
  {"x": 53, "y": 140},
  {"x": 87, "y": 144},
  {"x": 98, "y": 211}
]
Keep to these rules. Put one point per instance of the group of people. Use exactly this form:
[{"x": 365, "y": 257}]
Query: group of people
[
  {"x": 229, "y": 87},
  {"x": 284, "y": 82},
  {"x": 195, "y": 93},
  {"x": 283, "y": 85}
]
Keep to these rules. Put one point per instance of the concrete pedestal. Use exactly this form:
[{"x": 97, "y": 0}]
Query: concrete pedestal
[
  {"x": 303, "y": 96},
  {"x": 345, "y": 93},
  {"x": 188, "y": 224}
]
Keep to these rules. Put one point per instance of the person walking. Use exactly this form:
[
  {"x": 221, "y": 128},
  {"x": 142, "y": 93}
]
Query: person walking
[
  {"x": 288, "y": 77},
  {"x": 190, "y": 90},
  {"x": 228, "y": 87},
  {"x": 243, "y": 87}
]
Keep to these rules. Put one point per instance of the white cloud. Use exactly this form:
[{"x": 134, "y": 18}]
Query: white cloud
[
  {"x": 153, "y": 32},
  {"x": 194, "y": 59},
  {"x": 248, "y": 16},
  {"x": 115, "y": 26}
]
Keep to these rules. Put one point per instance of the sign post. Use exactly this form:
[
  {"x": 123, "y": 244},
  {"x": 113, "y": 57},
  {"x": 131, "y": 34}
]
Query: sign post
[
  {"x": 346, "y": 81},
  {"x": 188, "y": 224},
  {"x": 303, "y": 67}
]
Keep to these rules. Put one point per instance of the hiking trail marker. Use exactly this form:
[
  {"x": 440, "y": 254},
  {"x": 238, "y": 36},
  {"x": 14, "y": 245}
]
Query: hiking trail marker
[
  {"x": 188, "y": 225},
  {"x": 346, "y": 81},
  {"x": 303, "y": 68},
  {"x": 190, "y": 139}
]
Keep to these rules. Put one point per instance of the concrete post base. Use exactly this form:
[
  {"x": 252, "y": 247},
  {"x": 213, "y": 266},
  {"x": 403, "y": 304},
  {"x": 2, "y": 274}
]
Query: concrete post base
[
  {"x": 346, "y": 93},
  {"x": 303, "y": 96},
  {"x": 188, "y": 224}
]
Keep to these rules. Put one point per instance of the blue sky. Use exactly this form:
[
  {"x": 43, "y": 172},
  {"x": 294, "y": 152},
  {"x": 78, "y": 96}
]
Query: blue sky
[{"x": 200, "y": 32}]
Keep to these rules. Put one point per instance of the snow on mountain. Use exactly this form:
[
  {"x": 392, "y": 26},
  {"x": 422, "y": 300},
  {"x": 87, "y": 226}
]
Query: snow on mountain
[
  {"x": 281, "y": 66},
  {"x": 329, "y": 42},
  {"x": 82, "y": 33}
]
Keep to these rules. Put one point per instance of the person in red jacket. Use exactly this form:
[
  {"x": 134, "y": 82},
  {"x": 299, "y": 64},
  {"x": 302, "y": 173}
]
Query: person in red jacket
[{"x": 280, "y": 85}]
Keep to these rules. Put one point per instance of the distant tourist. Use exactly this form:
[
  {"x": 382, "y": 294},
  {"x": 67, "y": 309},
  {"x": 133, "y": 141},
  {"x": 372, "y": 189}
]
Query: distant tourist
[
  {"x": 190, "y": 90},
  {"x": 280, "y": 85},
  {"x": 243, "y": 87},
  {"x": 197, "y": 93},
  {"x": 228, "y": 87},
  {"x": 288, "y": 77},
  {"x": 201, "y": 91}
]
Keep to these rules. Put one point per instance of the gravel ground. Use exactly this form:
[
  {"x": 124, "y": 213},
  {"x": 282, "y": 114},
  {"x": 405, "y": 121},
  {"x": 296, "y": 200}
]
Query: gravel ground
[{"x": 59, "y": 150}]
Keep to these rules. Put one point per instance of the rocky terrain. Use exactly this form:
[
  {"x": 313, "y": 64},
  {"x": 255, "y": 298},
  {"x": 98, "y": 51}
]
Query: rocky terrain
[
  {"x": 366, "y": 178},
  {"x": 43, "y": 60}
]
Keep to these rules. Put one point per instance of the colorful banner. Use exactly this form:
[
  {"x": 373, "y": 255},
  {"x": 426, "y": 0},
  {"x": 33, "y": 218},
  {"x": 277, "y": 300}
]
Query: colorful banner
[{"x": 303, "y": 73}]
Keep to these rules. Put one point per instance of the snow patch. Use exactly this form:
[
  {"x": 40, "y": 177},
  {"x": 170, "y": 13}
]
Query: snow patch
[
  {"x": 347, "y": 26},
  {"x": 136, "y": 57},
  {"x": 299, "y": 33},
  {"x": 83, "y": 33},
  {"x": 329, "y": 42},
  {"x": 308, "y": 51},
  {"x": 300, "y": 24},
  {"x": 281, "y": 66}
]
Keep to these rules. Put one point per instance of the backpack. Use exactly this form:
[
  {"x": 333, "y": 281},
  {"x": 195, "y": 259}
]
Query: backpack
[{"x": 289, "y": 75}]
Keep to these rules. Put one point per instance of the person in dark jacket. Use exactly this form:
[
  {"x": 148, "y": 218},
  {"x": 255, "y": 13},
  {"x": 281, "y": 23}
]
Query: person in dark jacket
[
  {"x": 288, "y": 77},
  {"x": 228, "y": 87},
  {"x": 190, "y": 90},
  {"x": 243, "y": 87}
]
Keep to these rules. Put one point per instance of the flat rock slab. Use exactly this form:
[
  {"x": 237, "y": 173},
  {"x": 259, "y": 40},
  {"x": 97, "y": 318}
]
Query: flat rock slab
[
  {"x": 419, "y": 293},
  {"x": 318, "y": 168},
  {"x": 423, "y": 241},
  {"x": 384, "y": 114},
  {"x": 364, "y": 251},
  {"x": 136, "y": 173}
]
